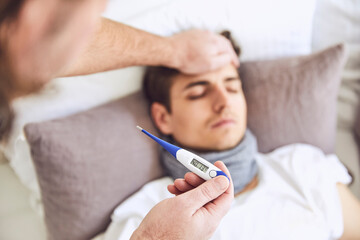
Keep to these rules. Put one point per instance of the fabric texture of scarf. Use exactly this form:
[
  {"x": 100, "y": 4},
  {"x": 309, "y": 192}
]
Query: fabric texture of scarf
[{"x": 240, "y": 161}]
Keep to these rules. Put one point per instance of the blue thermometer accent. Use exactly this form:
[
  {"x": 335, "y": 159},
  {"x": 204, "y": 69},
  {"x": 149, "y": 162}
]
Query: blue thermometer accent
[{"x": 191, "y": 161}]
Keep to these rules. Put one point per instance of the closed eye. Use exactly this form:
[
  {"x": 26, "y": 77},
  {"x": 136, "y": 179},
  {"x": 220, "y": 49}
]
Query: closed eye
[
  {"x": 196, "y": 90},
  {"x": 194, "y": 97},
  {"x": 233, "y": 85}
]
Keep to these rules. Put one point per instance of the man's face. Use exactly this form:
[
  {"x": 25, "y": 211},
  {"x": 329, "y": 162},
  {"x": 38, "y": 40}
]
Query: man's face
[
  {"x": 48, "y": 36},
  {"x": 208, "y": 111}
]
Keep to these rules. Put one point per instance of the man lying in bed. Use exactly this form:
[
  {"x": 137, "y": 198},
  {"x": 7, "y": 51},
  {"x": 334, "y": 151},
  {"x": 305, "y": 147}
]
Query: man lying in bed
[{"x": 295, "y": 192}]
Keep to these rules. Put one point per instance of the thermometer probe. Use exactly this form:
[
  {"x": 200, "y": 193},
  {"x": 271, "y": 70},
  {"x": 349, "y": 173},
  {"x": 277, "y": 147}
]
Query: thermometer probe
[{"x": 191, "y": 161}]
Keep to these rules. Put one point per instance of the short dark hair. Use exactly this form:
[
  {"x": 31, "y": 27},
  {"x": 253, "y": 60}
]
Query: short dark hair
[
  {"x": 158, "y": 80},
  {"x": 9, "y": 10}
]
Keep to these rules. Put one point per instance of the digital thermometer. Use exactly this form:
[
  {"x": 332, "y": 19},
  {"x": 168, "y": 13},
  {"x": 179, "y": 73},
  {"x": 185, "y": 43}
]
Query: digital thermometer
[{"x": 191, "y": 161}]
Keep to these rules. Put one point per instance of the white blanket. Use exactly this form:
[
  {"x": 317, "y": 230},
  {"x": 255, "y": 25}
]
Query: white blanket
[{"x": 296, "y": 198}]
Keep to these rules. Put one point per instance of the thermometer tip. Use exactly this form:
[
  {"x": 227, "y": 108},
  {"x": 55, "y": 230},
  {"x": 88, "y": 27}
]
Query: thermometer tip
[{"x": 140, "y": 128}]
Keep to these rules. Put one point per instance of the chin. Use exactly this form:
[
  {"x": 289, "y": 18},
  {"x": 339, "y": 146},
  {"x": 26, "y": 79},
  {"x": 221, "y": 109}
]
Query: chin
[
  {"x": 228, "y": 141},
  {"x": 218, "y": 142},
  {"x": 226, "y": 145}
]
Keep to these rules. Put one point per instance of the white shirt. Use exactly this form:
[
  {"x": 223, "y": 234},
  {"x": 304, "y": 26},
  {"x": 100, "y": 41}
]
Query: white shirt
[{"x": 296, "y": 198}]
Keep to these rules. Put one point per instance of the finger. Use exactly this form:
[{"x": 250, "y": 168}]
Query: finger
[
  {"x": 220, "y": 60},
  {"x": 223, "y": 168},
  {"x": 183, "y": 185},
  {"x": 222, "y": 43},
  {"x": 172, "y": 189},
  {"x": 222, "y": 204},
  {"x": 206, "y": 192},
  {"x": 225, "y": 47},
  {"x": 235, "y": 60},
  {"x": 193, "y": 179}
]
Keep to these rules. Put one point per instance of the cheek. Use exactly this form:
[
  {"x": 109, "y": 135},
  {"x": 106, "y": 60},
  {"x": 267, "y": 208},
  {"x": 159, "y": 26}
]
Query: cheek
[
  {"x": 239, "y": 103},
  {"x": 187, "y": 121},
  {"x": 241, "y": 112},
  {"x": 75, "y": 35},
  {"x": 186, "y": 117},
  {"x": 46, "y": 38},
  {"x": 83, "y": 23},
  {"x": 244, "y": 107}
]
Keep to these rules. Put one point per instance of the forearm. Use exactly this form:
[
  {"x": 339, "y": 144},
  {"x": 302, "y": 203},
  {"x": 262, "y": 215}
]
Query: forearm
[
  {"x": 351, "y": 213},
  {"x": 115, "y": 45}
]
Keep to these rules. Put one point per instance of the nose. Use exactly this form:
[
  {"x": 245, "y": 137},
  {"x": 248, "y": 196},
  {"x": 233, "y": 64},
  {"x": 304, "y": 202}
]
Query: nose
[{"x": 221, "y": 99}]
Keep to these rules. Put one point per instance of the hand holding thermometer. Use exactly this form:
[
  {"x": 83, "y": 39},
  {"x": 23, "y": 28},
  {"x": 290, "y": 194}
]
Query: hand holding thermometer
[{"x": 191, "y": 161}]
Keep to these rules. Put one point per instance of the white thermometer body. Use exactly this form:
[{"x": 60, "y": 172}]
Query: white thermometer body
[{"x": 191, "y": 161}]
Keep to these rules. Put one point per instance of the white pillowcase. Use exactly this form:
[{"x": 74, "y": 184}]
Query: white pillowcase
[{"x": 265, "y": 29}]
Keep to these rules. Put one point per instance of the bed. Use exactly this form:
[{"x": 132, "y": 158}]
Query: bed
[{"x": 311, "y": 26}]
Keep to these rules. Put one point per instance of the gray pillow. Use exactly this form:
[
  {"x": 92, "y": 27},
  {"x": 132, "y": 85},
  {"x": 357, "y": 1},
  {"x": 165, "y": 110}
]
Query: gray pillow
[
  {"x": 293, "y": 100},
  {"x": 88, "y": 163}
]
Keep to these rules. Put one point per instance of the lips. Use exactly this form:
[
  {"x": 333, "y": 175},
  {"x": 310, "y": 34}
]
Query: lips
[{"x": 222, "y": 122}]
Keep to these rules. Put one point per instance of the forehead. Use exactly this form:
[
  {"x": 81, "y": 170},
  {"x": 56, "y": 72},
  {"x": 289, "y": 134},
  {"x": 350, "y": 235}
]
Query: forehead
[{"x": 218, "y": 75}]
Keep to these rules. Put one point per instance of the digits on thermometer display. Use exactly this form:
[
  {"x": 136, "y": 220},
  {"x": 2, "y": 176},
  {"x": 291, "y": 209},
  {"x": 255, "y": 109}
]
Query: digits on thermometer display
[
  {"x": 191, "y": 161},
  {"x": 199, "y": 165}
]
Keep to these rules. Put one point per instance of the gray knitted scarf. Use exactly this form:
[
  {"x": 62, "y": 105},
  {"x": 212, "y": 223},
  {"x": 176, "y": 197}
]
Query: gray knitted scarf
[{"x": 240, "y": 161}]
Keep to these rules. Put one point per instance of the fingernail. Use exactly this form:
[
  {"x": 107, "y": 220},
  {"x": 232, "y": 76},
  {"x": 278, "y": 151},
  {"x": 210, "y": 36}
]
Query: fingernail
[{"x": 222, "y": 183}]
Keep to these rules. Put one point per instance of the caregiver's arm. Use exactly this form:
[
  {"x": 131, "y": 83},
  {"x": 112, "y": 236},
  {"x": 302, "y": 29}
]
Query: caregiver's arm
[
  {"x": 194, "y": 214},
  {"x": 351, "y": 212},
  {"x": 116, "y": 45}
]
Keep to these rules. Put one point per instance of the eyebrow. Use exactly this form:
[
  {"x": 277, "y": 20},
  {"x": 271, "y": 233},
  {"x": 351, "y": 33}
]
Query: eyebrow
[
  {"x": 232, "y": 78},
  {"x": 196, "y": 83},
  {"x": 206, "y": 82}
]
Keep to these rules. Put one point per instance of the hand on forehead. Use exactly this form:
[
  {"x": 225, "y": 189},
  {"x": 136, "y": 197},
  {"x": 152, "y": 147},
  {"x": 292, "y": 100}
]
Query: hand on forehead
[{"x": 203, "y": 51}]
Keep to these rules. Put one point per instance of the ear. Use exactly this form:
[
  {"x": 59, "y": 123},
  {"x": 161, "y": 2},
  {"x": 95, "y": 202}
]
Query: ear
[{"x": 162, "y": 118}]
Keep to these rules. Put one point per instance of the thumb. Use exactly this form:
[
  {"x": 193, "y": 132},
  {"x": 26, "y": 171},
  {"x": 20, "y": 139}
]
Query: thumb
[{"x": 206, "y": 192}]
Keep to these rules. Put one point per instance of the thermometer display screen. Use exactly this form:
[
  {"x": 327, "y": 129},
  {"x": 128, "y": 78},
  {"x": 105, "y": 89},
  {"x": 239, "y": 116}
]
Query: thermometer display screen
[{"x": 199, "y": 165}]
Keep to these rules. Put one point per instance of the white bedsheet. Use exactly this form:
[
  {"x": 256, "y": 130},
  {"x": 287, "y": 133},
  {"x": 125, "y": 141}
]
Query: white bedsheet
[{"x": 296, "y": 199}]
